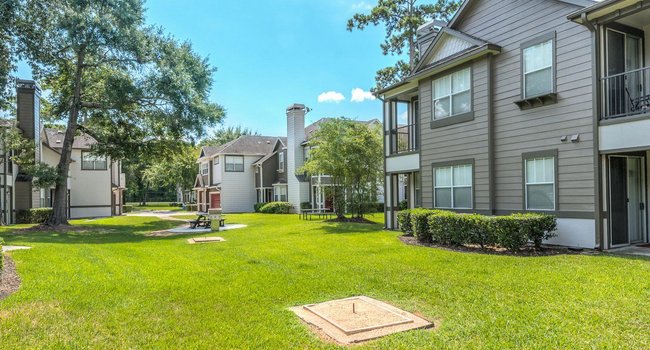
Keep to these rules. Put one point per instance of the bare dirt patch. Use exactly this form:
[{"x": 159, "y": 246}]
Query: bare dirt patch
[
  {"x": 9, "y": 279},
  {"x": 357, "y": 319},
  {"x": 528, "y": 251}
]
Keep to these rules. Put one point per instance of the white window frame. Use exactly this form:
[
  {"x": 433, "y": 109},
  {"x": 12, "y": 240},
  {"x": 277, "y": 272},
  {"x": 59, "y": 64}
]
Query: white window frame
[
  {"x": 94, "y": 159},
  {"x": 205, "y": 168},
  {"x": 450, "y": 94},
  {"x": 277, "y": 195},
  {"x": 452, "y": 186},
  {"x": 527, "y": 183},
  {"x": 524, "y": 73},
  {"x": 281, "y": 162},
  {"x": 234, "y": 165}
]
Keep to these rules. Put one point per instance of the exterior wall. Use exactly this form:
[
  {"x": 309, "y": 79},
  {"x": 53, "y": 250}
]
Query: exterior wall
[
  {"x": 624, "y": 135},
  {"x": 509, "y": 23},
  {"x": 462, "y": 141},
  {"x": 217, "y": 169},
  {"x": 90, "y": 190},
  {"x": 297, "y": 190},
  {"x": 238, "y": 193}
]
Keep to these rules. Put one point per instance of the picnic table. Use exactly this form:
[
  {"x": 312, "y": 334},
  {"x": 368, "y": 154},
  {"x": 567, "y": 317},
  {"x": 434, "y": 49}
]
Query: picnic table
[
  {"x": 308, "y": 214},
  {"x": 204, "y": 220}
]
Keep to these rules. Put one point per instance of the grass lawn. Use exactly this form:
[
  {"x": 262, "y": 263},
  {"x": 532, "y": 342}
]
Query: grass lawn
[
  {"x": 154, "y": 206},
  {"x": 112, "y": 287}
]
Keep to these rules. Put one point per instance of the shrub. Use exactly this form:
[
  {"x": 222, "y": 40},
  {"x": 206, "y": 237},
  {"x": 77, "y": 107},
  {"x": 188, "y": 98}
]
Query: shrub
[
  {"x": 404, "y": 221},
  {"x": 403, "y": 204},
  {"x": 175, "y": 204},
  {"x": 537, "y": 227},
  {"x": 257, "y": 207},
  {"x": 191, "y": 207},
  {"x": 2, "y": 242},
  {"x": 420, "y": 223},
  {"x": 127, "y": 208},
  {"x": 276, "y": 208},
  {"x": 33, "y": 215},
  {"x": 508, "y": 232}
]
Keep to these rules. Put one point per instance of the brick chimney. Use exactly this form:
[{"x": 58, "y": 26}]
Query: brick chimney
[
  {"x": 297, "y": 186},
  {"x": 28, "y": 112}
]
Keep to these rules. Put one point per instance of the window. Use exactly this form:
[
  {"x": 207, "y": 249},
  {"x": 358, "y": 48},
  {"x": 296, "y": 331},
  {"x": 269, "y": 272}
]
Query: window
[
  {"x": 452, "y": 94},
  {"x": 538, "y": 69},
  {"x": 92, "y": 162},
  {"x": 235, "y": 163},
  {"x": 540, "y": 183},
  {"x": 205, "y": 168},
  {"x": 281, "y": 161},
  {"x": 305, "y": 153},
  {"x": 453, "y": 187},
  {"x": 280, "y": 193},
  {"x": 418, "y": 193}
]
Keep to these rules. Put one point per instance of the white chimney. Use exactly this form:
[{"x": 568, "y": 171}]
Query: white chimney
[{"x": 297, "y": 184}]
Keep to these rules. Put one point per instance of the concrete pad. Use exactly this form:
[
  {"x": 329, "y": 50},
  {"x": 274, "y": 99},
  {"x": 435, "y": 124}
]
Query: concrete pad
[
  {"x": 640, "y": 250},
  {"x": 358, "y": 319},
  {"x": 205, "y": 240},
  {"x": 231, "y": 227},
  {"x": 8, "y": 248}
]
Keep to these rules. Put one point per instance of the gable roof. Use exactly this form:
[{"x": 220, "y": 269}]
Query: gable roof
[
  {"x": 448, "y": 43},
  {"x": 53, "y": 138},
  {"x": 245, "y": 144},
  {"x": 467, "y": 3}
]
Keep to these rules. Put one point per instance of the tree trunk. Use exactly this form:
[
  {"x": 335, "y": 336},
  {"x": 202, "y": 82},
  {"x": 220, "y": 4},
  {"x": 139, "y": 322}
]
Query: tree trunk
[{"x": 59, "y": 214}]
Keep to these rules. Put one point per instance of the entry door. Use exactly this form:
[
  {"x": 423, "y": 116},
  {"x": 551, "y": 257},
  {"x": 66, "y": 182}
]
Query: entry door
[
  {"x": 215, "y": 200},
  {"x": 627, "y": 206},
  {"x": 623, "y": 55}
]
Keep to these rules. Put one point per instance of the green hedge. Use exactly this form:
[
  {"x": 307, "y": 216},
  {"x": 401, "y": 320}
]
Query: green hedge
[
  {"x": 127, "y": 208},
  {"x": 2, "y": 242},
  {"x": 511, "y": 232},
  {"x": 191, "y": 207},
  {"x": 33, "y": 216},
  {"x": 275, "y": 208},
  {"x": 258, "y": 206}
]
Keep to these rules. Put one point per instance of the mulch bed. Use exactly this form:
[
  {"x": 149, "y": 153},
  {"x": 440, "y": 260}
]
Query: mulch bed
[
  {"x": 9, "y": 280},
  {"x": 529, "y": 251},
  {"x": 352, "y": 220}
]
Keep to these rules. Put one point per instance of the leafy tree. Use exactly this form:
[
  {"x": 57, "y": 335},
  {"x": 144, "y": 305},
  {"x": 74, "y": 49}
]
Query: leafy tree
[
  {"x": 227, "y": 134},
  {"x": 136, "y": 90},
  {"x": 8, "y": 10},
  {"x": 351, "y": 153},
  {"x": 177, "y": 169},
  {"x": 401, "y": 18}
]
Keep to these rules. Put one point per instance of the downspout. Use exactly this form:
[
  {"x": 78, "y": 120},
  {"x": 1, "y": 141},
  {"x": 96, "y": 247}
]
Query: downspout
[{"x": 598, "y": 210}]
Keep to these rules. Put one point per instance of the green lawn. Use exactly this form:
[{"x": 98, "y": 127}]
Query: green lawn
[{"x": 112, "y": 287}]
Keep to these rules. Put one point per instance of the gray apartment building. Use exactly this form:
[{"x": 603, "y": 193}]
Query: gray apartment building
[{"x": 528, "y": 106}]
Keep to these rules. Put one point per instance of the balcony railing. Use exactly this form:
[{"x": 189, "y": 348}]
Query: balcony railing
[
  {"x": 626, "y": 93},
  {"x": 405, "y": 139}
]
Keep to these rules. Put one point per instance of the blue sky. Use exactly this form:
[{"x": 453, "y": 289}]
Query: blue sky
[{"x": 270, "y": 54}]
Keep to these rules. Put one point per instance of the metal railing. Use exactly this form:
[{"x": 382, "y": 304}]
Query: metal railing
[
  {"x": 405, "y": 139},
  {"x": 626, "y": 93}
]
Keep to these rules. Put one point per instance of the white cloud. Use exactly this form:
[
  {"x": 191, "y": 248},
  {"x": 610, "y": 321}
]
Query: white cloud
[
  {"x": 331, "y": 96},
  {"x": 360, "y": 95},
  {"x": 362, "y": 5}
]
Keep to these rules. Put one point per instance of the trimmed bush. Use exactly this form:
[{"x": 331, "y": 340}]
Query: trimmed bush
[
  {"x": 191, "y": 207},
  {"x": 404, "y": 221},
  {"x": 33, "y": 215},
  {"x": 509, "y": 233},
  {"x": 403, "y": 204},
  {"x": 258, "y": 206},
  {"x": 276, "y": 208},
  {"x": 127, "y": 208},
  {"x": 537, "y": 227},
  {"x": 420, "y": 223}
]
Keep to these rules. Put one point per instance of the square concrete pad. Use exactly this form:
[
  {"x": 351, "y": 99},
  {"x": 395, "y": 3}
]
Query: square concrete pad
[
  {"x": 358, "y": 319},
  {"x": 205, "y": 240}
]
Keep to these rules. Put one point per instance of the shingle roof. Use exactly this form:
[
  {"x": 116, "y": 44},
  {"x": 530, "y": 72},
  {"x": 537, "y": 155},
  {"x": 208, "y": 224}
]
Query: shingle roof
[
  {"x": 54, "y": 139},
  {"x": 246, "y": 144}
]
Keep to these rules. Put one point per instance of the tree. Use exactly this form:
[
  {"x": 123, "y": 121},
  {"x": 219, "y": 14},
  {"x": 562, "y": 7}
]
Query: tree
[
  {"x": 227, "y": 134},
  {"x": 177, "y": 169},
  {"x": 136, "y": 90},
  {"x": 8, "y": 10},
  {"x": 351, "y": 153},
  {"x": 401, "y": 19}
]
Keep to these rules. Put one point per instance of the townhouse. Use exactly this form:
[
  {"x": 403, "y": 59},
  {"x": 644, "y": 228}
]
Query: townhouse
[
  {"x": 260, "y": 169},
  {"x": 528, "y": 106},
  {"x": 95, "y": 183}
]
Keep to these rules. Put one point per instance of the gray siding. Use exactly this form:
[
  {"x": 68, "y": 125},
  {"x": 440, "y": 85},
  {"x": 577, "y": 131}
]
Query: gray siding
[
  {"x": 467, "y": 140},
  {"x": 508, "y": 23}
]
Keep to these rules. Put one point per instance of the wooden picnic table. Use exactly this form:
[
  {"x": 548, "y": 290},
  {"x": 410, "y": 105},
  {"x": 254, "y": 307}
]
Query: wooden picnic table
[{"x": 307, "y": 214}]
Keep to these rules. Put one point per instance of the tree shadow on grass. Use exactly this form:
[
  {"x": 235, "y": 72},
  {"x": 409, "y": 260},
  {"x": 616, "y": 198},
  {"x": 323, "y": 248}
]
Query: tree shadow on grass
[
  {"x": 96, "y": 233},
  {"x": 349, "y": 228}
]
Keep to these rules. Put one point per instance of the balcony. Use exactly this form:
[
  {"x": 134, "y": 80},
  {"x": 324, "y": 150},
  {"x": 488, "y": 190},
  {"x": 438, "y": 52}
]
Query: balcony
[
  {"x": 404, "y": 139},
  {"x": 626, "y": 94}
]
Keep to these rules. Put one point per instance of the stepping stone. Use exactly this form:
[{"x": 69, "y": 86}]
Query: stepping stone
[
  {"x": 8, "y": 248},
  {"x": 358, "y": 319},
  {"x": 205, "y": 240}
]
